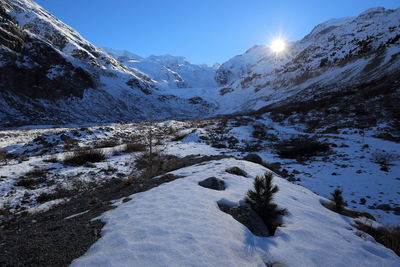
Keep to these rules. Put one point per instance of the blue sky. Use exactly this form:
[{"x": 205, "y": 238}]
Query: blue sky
[{"x": 204, "y": 31}]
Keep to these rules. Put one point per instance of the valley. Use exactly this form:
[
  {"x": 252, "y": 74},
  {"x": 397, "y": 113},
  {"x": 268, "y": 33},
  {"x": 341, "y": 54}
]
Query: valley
[{"x": 109, "y": 158}]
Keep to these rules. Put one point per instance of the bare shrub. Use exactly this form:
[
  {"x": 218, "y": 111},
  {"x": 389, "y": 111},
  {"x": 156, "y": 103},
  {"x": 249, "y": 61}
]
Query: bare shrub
[
  {"x": 129, "y": 180},
  {"x": 58, "y": 193},
  {"x": 32, "y": 178},
  {"x": 82, "y": 157},
  {"x": 29, "y": 183},
  {"x": 153, "y": 140},
  {"x": 387, "y": 236},
  {"x": 107, "y": 143},
  {"x": 3, "y": 155},
  {"x": 301, "y": 147},
  {"x": 134, "y": 147},
  {"x": 384, "y": 158}
]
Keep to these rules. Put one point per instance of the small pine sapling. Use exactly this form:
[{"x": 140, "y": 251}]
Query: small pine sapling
[
  {"x": 261, "y": 201},
  {"x": 338, "y": 199}
]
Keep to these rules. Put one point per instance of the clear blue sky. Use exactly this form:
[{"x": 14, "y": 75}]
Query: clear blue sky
[{"x": 204, "y": 31}]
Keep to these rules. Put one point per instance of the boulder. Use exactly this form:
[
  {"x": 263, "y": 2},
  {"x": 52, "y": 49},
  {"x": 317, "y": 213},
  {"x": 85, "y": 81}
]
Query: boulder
[
  {"x": 213, "y": 183},
  {"x": 244, "y": 214},
  {"x": 254, "y": 158},
  {"x": 236, "y": 171}
]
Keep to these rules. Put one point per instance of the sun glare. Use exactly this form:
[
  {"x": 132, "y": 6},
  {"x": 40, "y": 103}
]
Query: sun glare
[{"x": 278, "y": 45}]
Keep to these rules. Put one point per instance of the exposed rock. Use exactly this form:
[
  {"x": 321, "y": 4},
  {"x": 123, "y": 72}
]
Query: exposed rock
[
  {"x": 244, "y": 214},
  {"x": 33, "y": 68},
  {"x": 213, "y": 183},
  {"x": 254, "y": 158},
  {"x": 236, "y": 171}
]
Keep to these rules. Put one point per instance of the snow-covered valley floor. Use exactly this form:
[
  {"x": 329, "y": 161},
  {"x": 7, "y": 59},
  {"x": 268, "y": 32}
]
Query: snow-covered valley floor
[{"x": 178, "y": 223}]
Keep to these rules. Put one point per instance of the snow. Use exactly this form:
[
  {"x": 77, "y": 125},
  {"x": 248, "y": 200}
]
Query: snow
[
  {"x": 168, "y": 71},
  {"x": 258, "y": 77},
  {"x": 76, "y": 215},
  {"x": 180, "y": 224},
  {"x": 125, "y": 102}
]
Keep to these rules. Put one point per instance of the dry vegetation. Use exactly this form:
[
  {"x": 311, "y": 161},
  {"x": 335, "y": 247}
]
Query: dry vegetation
[
  {"x": 387, "y": 236},
  {"x": 84, "y": 156}
]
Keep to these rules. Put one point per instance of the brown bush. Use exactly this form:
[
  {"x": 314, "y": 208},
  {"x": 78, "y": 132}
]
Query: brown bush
[
  {"x": 107, "y": 143},
  {"x": 134, "y": 147},
  {"x": 29, "y": 183},
  {"x": 384, "y": 158},
  {"x": 82, "y": 157},
  {"x": 32, "y": 179},
  {"x": 57, "y": 194},
  {"x": 3, "y": 155},
  {"x": 51, "y": 159},
  {"x": 300, "y": 147},
  {"x": 387, "y": 236}
]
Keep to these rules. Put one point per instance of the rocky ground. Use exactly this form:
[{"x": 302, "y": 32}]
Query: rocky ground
[{"x": 48, "y": 204}]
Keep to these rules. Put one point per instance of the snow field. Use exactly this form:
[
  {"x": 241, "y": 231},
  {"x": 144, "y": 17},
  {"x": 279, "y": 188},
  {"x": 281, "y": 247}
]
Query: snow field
[{"x": 180, "y": 224}]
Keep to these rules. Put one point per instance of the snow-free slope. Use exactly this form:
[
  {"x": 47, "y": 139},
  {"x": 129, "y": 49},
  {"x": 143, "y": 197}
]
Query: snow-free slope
[{"x": 180, "y": 224}]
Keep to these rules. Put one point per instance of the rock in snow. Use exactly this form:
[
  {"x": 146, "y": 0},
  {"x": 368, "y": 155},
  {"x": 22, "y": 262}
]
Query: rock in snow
[{"x": 213, "y": 183}]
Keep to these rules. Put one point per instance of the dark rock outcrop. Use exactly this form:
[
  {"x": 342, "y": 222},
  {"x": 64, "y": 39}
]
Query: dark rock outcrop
[
  {"x": 244, "y": 214},
  {"x": 254, "y": 158},
  {"x": 213, "y": 183},
  {"x": 33, "y": 68},
  {"x": 236, "y": 171}
]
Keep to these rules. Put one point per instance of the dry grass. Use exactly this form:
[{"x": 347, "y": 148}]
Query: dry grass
[
  {"x": 384, "y": 158},
  {"x": 301, "y": 147},
  {"x": 57, "y": 194},
  {"x": 82, "y": 157},
  {"x": 107, "y": 143},
  {"x": 387, "y": 236},
  {"x": 3, "y": 155},
  {"x": 129, "y": 180},
  {"x": 51, "y": 159},
  {"x": 346, "y": 212},
  {"x": 32, "y": 178},
  {"x": 134, "y": 147},
  {"x": 29, "y": 183}
]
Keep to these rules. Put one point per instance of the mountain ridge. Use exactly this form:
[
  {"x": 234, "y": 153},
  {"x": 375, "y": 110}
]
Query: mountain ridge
[{"x": 76, "y": 82}]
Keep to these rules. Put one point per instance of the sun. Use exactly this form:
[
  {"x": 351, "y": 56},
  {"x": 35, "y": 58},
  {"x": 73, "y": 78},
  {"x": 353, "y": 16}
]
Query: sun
[{"x": 278, "y": 46}]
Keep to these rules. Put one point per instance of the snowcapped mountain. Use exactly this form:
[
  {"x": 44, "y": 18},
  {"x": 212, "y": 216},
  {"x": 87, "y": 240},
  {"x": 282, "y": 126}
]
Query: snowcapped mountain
[
  {"x": 50, "y": 74},
  {"x": 168, "y": 71},
  {"x": 336, "y": 54}
]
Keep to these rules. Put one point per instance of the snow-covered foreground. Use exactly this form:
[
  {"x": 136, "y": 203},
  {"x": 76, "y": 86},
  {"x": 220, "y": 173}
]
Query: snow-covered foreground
[
  {"x": 349, "y": 166},
  {"x": 180, "y": 224}
]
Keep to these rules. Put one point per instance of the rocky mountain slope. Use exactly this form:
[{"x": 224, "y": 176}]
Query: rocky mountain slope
[
  {"x": 168, "y": 71},
  {"x": 50, "y": 74},
  {"x": 344, "y": 74},
  {"x": 345, "y": 69}
]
